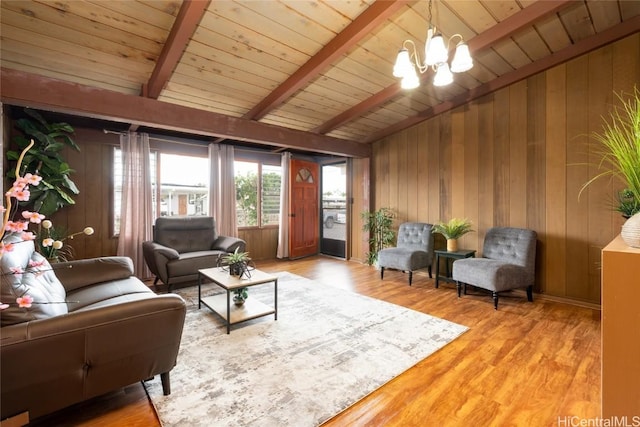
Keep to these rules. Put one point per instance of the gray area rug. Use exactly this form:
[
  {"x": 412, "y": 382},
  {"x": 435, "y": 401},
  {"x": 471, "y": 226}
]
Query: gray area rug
[{"x": 328, "y": 349}]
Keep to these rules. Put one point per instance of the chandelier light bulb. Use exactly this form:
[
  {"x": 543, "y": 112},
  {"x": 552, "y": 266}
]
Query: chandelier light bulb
[
  {"x": 443, "y": 76},
  {"x": 410, "y": 81},
  {"x": 462, "y": 60},
  {"x": 436, "y": 52},
  {"x": 403, "y": 66}
]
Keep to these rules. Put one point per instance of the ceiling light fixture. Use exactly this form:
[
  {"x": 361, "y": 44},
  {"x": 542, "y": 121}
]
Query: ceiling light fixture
[{"x": 436, "y": 55}]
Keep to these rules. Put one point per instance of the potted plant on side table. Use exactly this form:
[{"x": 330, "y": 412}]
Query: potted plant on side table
[{"x": 452, "y": 231}]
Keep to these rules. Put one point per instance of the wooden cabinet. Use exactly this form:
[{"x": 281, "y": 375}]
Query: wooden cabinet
[{"x": 620, "y": 330}]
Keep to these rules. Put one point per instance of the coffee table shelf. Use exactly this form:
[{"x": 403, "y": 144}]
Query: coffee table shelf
[
  {"x": 223, "y": 304},
  {"x": 251, "y": 309}
]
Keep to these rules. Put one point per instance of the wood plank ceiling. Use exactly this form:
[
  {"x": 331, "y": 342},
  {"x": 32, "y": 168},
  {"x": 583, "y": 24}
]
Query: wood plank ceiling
[{"x": 319, "y": 67}]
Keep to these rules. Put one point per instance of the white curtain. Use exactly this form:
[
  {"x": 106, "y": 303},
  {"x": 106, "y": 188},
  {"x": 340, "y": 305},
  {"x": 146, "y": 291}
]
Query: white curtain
[
  {"x": 222, "y": 189},
  {"x": 135, "y": 214},
  {"x": 283, "y": 231}
]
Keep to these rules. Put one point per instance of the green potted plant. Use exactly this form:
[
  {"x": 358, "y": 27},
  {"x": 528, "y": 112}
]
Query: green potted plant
[
  {"x": 237, "y": 262},
  {"x": 452, "y": 231},
  {"x": 240, "y": 296},
  {"x": 618, "y": 147},
  {"x": 56, "y": 189},
  {"x": 381, "y": 235}
]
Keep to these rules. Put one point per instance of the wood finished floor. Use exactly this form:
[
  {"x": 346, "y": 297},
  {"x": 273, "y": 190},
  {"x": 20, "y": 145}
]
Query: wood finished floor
[{"x": 526, "y": 364}]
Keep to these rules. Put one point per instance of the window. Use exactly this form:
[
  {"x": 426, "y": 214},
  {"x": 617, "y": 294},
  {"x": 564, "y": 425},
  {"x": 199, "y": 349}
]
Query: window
[
  {"x": 183, "y": 186},
  {"x": 254, "y": 211}
]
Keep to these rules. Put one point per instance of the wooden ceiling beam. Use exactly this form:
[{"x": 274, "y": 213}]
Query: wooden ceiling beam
[
  {"x": 30, "y": 90},
  {"x": 582, "y": 47},
  {"x": 500, "y": 31},
  {"x": 374, "y": 16},
  {"x": 189, "y": 16}
]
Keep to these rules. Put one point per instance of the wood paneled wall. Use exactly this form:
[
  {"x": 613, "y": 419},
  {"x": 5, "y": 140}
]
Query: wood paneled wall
[{"x": 518, "y": 157}]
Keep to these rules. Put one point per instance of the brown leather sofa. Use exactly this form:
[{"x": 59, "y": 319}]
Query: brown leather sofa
[
  {"x": 115, "y": 332},
  {"x": 183, "y": 245}
]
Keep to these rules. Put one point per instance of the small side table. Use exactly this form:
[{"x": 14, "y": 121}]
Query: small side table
[{"x": 449, "y": 257}]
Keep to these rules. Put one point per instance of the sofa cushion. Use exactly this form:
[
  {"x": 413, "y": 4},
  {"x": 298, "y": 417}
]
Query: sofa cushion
[
  {"x": 103, "y": 294},
  {"x": 37, "y": 281}
]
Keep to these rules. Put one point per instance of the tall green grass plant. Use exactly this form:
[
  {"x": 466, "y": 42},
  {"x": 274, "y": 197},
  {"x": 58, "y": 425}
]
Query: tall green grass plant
[{"x": 619, "y": 150}]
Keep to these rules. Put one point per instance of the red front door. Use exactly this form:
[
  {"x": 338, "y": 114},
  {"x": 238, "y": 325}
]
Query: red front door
[{"x": 303, "y": 218}]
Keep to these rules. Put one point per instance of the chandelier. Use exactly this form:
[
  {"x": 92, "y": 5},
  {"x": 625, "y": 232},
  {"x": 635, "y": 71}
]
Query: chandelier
[{"x": 436, "y": 57}]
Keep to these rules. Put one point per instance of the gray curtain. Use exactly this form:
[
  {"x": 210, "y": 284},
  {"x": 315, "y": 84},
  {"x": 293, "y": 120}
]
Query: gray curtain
[
  {"x": 222, "y": 189},
  {"x": 136, "y": 214},
  {"x": 283, "y": 231}
]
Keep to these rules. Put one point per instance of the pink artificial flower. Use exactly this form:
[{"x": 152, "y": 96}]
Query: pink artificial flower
[
  {"x": 19, "y": 193},
  {"x": 19, "y": 184},
  {"x": 24, "y": 301},
  {"x": 16, "y": 227},
  {"x": 16, "y": 270},
  {"x": 28, "y": 236},
  {"x": 3, "y": 306},
  {"x": 32, "y": 179},
  {"x": 35, "y": 264},
  {"x": 2, "y": 209},
  {"x": 6, "y": 247},
  {"x": 47, "y": 242},
  {"x": 33, "y": 217}
]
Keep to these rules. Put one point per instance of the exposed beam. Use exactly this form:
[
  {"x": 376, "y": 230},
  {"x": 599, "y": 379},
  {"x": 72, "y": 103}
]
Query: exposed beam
[
  {"x": 506, "y": 28},
  {"x": 363, "y": 25},
  {"x": 185, "y": 25},
  {"x": 582, "y": 47},
  {"x": 30, "y": 90}
]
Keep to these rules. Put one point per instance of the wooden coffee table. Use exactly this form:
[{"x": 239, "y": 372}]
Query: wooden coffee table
[{"x": 223, "y": 304}]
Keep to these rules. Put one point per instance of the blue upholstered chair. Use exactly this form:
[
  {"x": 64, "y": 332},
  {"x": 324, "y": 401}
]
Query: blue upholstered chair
[
  {"x": 508, "y": 262},
  {"x": 413, "y": 251}
]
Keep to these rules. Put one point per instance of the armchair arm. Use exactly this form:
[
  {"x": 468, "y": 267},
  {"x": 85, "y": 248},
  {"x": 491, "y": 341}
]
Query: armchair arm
[
  {"x": 156, "y": 256},
  {"x": 229, "y": 244},
  {"x": 168, "y": 252}
]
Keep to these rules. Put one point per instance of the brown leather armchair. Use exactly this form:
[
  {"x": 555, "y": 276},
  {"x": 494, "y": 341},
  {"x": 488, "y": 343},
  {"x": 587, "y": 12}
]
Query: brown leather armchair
[
  {"x": 113, "y": 331},
  {"x": 183, "y": 245}
]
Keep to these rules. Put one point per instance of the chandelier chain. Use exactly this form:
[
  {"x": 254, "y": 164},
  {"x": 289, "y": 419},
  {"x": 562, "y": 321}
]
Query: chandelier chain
[{"x": 430, "y": 15}]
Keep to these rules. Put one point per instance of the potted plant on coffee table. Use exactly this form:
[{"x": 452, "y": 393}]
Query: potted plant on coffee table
[
  {"x": 452, "y": 231},
  {"x": 237, "y": 262}
]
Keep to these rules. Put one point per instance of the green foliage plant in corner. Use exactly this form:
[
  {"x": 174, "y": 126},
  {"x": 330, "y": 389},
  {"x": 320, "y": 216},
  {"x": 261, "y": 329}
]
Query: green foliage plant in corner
[
  {"x": 619, "y": 151},
  {"x": 56, "y": 189},
  {"x": 379, "y": 224}
]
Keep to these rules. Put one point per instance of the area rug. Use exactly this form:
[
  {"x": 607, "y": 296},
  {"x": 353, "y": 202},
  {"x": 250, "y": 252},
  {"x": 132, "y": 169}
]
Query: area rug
[{"x": 328, "y": 349}]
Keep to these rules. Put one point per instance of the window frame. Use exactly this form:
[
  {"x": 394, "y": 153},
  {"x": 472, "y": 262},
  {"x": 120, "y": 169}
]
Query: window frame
[{"x": 261, "y": 159}]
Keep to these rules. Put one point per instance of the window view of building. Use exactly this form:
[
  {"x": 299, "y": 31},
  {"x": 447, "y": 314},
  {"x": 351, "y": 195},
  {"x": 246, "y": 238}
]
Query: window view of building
[{"x": 184, "y": 189}]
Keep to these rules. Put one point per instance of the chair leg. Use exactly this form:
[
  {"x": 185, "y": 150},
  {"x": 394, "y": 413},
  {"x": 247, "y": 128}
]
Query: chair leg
[
  {"x": 430, "y": 276},
  {"x": 155, "y": 282},
  {"x": 459, "y": 286},
  {"x": 495, "y": 300},
  {"x": 530, "y": 293},
  {"x": 410, "y": 276},
  {"x": 166, "y": 383},
  {"x": 381, "y": 273}
]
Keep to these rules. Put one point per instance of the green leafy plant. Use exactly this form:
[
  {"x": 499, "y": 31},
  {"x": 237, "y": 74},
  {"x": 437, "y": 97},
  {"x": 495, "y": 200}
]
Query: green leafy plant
[
  {"x": 454, "y": 229},
  {"x": 619, "y": 151},
  {"x": 237, "y": 262},
  {"x": 240, "y": 295},
  {"x": 379, "y": 224},
  {"x": 56, "y": 189}
]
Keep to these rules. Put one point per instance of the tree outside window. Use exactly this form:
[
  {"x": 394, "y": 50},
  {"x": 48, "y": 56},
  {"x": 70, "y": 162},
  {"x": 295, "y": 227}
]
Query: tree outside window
[{"x": 254, "y": 211}]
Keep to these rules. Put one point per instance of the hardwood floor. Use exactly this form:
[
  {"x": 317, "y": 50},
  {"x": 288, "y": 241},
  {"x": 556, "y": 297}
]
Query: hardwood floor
[{"x": 527, "y": 364}]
